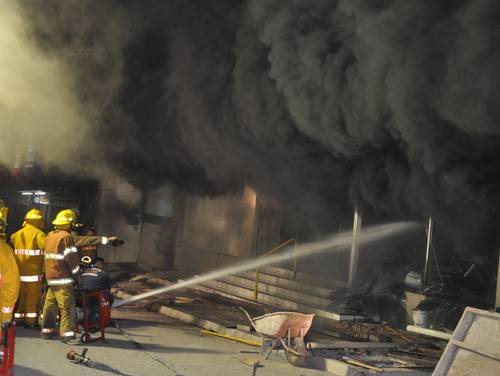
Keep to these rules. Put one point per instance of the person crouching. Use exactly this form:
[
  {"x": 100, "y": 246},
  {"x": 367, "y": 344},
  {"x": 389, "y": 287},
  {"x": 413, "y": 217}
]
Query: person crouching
[
  {"x": 96, "y": 278},
  {"x": 61, "y": 269}
]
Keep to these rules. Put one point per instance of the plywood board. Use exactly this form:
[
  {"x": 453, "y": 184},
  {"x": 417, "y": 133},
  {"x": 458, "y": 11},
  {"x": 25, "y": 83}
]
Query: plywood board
[{"x": 475, "y": 346}]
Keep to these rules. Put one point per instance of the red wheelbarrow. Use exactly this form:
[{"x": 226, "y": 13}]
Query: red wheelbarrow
[{"x": 285, "y": 328}]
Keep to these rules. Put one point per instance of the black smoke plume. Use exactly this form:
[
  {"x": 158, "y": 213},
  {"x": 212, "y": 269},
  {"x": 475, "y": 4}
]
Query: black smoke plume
[{"x": 319, "y": 105}]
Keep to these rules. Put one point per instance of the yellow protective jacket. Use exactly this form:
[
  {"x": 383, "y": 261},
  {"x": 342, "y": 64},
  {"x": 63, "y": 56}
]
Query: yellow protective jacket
[
  {"x": 9, "y": 281},
  {"x": 29, "y": 246},
  {"x": 61, "y": 258}
]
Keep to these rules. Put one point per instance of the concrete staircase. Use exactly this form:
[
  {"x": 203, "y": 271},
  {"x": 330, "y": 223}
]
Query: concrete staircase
[{"x": 279, "y": 289}]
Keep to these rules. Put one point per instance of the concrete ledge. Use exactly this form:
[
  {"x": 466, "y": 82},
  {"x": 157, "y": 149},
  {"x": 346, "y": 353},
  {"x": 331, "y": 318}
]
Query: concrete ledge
[
  {"x": 335, "y": 367},
  {"x": 189, "y": 318}
]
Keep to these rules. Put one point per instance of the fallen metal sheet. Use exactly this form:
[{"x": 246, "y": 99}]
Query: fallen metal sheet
[{"x": 474, "y": 348}]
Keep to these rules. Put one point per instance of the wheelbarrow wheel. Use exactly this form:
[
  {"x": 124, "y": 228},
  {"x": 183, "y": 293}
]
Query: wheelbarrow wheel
[
  {"x": 85, "y": 338},
  {"x": 297, "y": 353}
]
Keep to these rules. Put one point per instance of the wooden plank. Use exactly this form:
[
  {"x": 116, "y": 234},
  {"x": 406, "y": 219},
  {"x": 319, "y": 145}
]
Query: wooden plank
[{"x": 359, "y": 363}]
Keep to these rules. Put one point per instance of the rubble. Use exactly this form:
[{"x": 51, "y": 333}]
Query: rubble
[{"x": 350, "y": 348}]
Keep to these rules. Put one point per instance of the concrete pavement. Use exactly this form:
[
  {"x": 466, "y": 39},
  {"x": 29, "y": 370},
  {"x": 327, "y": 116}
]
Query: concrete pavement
[{"x": 147, "y": 343}]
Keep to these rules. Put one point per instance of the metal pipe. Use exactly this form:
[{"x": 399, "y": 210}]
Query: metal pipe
[
  {"x": 256, "y": 285},
  {"x": 428, "y": 253},
  {"x": 350, "y": 345},
  {"x": 354, "y": 256},
  {"x": 294, "y": 268},
  {"x": 429, "y": 332}
]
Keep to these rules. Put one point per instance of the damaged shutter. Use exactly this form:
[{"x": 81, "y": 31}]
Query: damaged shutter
[
  {"x": 223, "y": 225},
  {"x": 209, "y": 225}
]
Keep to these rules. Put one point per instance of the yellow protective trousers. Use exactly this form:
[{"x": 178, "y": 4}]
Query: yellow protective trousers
[
  {"x": 29, "y": 244},
  {"x": 27, "y": 307},
  {"x": 59, "y": 298}
]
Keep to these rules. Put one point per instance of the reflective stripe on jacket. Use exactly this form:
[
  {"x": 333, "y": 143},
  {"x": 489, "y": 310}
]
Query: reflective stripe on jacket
[
  {"x": 60, "y": 258},
  {"x": 29, "y": 245}
]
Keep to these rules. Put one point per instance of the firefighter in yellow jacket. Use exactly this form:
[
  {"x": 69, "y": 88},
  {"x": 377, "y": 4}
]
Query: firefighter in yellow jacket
[
  {"x": 61, "y": 268},
  {"x": 29, "y": 244},
  {"x": 9, "y": 275}
]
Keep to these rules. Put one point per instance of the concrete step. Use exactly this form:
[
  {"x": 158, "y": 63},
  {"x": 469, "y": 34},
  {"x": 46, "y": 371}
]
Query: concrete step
[
  {"x": 297, "y": 296},
  {"x": 269, "y": 283},
  {"x": 236, "y": 292},
  {"x": 229, "y": 290},
  {"x": 290, "y": 284},
  {"x": 303, "y": 277}
]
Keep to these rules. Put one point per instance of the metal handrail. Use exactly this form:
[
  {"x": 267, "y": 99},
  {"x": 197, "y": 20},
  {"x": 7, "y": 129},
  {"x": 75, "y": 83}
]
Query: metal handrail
[{"x": 269, "y": 253}]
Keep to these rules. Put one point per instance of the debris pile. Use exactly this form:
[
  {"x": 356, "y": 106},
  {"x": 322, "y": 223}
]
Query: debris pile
[{"x": 360, "y": 346}]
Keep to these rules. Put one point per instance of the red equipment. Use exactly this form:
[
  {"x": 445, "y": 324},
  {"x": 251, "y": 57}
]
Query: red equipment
[
  {"x": 8, "y": 342},
  {"x": 101, "y": 320}
]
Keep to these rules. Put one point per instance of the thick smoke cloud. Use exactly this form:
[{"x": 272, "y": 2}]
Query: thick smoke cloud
[{"x": 319, "y": 105}]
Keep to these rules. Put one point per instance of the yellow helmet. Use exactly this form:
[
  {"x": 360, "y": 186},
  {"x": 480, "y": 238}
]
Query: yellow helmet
[
  {"x": 64, "y": 217},
  {"x": 86, "y": 260},
  {"x": 34, "y": 215}
]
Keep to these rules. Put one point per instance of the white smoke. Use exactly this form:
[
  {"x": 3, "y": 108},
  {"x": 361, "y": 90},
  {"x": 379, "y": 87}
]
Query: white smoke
[{"x": 38, "y": 107}]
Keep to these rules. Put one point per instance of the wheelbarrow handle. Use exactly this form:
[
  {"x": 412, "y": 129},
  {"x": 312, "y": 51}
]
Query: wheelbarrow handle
[{"x": 248, "y": 317}]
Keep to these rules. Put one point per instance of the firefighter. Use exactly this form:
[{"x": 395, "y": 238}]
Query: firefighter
[
  {"x": 87, "y": 244},
  {"x": 96, "y": 278},
  {"x": 9, "y": 275},
  {"x": 61, "y": 269},
  {"x": 29, "y": 243}
]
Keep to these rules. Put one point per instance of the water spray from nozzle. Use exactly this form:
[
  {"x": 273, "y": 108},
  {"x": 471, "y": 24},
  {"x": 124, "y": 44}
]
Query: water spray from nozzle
[{"x": 334, "y": 244}]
